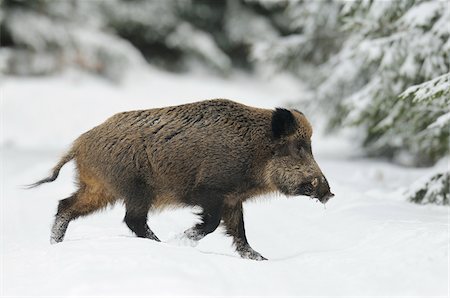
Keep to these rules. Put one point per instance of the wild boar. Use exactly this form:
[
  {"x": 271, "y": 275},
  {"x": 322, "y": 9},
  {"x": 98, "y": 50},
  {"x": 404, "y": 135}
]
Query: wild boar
[{"x": 215, "y": 154}]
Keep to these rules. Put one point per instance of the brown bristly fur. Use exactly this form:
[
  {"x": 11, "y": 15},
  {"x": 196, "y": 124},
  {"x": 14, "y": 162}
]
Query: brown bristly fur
[{"x": 215, "y": 154}]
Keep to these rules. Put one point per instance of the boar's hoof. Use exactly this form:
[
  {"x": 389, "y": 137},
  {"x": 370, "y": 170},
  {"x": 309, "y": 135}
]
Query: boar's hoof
[
  {"x": 251, "y": 254},
  {"x": 59, "y": 228},
  {"x": 55, "y": 240},
  {"x": 193, "y": 234}
]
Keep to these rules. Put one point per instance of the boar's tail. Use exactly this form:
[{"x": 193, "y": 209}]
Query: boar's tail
[{"x": 55, "y": 171}]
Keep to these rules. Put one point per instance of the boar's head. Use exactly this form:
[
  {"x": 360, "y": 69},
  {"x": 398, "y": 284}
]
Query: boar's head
[{"x": 292, "y": 169}]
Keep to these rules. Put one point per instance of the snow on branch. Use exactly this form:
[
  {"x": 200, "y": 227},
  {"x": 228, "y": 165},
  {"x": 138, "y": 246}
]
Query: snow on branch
[
  {"x": 438, "y": 87},
  {"x": 433, "y": 189}
]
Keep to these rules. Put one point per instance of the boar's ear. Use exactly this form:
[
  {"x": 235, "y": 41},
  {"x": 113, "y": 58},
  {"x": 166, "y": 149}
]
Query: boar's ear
[{"x": 283, "y": 123}]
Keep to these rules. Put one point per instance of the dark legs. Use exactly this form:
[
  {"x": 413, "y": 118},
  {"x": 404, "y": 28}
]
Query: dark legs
[
  {"x": 210, "y": 216},
  {"x": 62, "y": 219},
  {"x": 233, "y": 220},
  {"x": 88, "y": 199},
  {"x": 137, "y": 203},
  {"x": 83, "y": 202},
  {"x": 136, "y": 220}
]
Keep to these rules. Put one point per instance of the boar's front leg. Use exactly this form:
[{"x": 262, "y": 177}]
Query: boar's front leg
[
  {"x": 233, "y": 220},
  {"x": 210, "y": 218}
]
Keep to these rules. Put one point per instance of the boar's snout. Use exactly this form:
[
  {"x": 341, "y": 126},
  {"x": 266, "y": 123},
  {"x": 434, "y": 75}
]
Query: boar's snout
[
  {"x": 326, "y": 197},
  {"x": 317, "y": 188},
  {"x": 322, "y": 187}
]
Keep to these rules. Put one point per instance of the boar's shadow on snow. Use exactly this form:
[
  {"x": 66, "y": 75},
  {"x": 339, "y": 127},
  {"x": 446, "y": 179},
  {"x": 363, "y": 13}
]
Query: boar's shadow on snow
[{"x": 214, "y": 154}]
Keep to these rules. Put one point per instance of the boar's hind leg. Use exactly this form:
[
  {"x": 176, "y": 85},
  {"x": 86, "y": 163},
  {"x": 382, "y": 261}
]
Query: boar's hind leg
[
  {"x": 233, "y": 220},
  {"x": 86, "y": 200},
  {"x": 137, "y": 203},
  {"x": 62, "y": 219}
]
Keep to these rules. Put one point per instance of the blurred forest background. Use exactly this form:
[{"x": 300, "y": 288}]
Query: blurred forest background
[{"x": 380, "y": 67}]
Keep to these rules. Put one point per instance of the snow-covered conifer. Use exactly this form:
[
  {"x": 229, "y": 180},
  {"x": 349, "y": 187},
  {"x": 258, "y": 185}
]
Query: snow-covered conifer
[{"x": 393, "y": 45}]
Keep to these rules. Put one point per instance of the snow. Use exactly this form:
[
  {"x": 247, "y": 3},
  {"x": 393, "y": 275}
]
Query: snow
[
  {"x": 201, "y": 43},
  {"x": 55, "y": 44},
  {"x": 429, "y": 89},
  {"x": 441, "y": 122},
  {"x": 369, "y": 241},
  {"x": 422, "y": 14}
]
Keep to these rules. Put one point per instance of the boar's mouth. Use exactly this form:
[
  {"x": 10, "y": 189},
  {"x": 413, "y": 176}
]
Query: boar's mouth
[{"x": 306, "y": 189}]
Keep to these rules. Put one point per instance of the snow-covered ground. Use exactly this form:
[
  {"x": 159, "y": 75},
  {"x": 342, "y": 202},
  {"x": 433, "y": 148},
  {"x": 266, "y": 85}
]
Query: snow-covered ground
[{"x": 367, "y": 242}]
